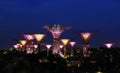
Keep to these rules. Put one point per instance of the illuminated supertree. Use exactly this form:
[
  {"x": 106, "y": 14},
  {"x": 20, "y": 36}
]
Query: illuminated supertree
[
  {"x": 65, "y": 42},
  {"x": 23, "y": 43},
  {"x": 61, "y": 48},
  {"x": 56, "y": 31},
  {"x": 72, "y": 43},
  {"x": 29, "y": 45},
  {"x": 85, "y": 36},
  {"x": 39, "y": 38},
  {"x": 35, "y": 49},
  {"x": 48, "y": 46},
  {"x": 108, "y": 54}
]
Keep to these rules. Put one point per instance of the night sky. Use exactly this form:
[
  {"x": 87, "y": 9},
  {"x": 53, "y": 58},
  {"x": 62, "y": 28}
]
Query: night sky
[{"x": 21, "y": 16}]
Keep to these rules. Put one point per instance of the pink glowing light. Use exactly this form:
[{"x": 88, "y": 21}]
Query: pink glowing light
[
  {"x": 29, "y": 37},
  {"x": 16, "y": 46},
  {"x": 48, "y": 46},
  {"x": 72, "y": 44},
  {"x": 61, "y": 46},
  {"x": 35, "y": 46},
  {"x": 20, "y": 46},
  {"x": 108, "y": 45}
]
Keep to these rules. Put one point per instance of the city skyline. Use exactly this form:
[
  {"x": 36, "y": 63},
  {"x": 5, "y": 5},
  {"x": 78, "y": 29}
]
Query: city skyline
[{"x": 19, "y": 17}]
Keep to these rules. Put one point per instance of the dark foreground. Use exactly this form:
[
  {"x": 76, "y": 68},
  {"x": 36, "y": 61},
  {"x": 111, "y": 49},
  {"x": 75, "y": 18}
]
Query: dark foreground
[{"x": 103, "y": 60}]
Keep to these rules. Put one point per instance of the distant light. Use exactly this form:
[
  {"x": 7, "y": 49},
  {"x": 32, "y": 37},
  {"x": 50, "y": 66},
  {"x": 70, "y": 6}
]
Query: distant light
[
  {"x": 65, "y": 41},
  {"x": 86, "y": 35},
  {"x": 16, "y": 46},
  {"x": 35, "y": 46},
  {"x": 72, "y": 43},
  {"x": 48, "y": 46},
  {"x": 61, "y": 46},
  {"x": 23, "y": 42},
  {"x": 98, "y": 72},
  {"x": 5, "y": 52},
  {"x": 29, "y": 37},
  {"x": 39, "y": 37},
  {"x": 108, "y": 45}
]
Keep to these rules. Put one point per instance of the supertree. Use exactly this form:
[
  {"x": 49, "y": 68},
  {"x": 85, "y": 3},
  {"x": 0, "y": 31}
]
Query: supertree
[
  {"x": 29, "y": 45},
  {"x": 72, "y": 43},
  {"x": 23, "y": 43},
  {"x": 48, "y": 46},
  {"x": 85, "y": 37},
  {"x": 56, "y": 31},
  {"x": 39, "y": 38},
  {"x": 65, "y": 42}
]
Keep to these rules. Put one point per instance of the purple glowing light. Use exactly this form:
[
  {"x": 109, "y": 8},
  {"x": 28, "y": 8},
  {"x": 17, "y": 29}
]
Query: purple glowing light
[
  {"x": 29, "y": 37},
  {"x": 35, "y": 46},
  {"x": 61, "y": 46},
  {"x": 108, "y": 45},
  {"x": 16, "y": 46},
  {"x": 56, "y": 33},
  {"x": 72, "y": 44},
  {"x": 48, "y": 46}
]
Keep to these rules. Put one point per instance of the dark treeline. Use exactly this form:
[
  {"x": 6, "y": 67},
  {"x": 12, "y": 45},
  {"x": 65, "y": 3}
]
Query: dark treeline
[{"x": 101, "y": 59}]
